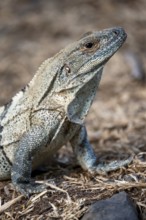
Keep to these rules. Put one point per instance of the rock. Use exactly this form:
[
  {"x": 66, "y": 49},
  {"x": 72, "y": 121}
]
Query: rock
[{"x": 118, "y": 207}]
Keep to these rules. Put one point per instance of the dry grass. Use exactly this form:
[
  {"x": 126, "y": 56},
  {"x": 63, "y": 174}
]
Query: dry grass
[
  {"x": 71, "y": 194},
  {"x": 117, "y": 120}
]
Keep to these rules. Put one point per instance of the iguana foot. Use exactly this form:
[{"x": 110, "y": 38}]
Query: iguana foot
[
  {"x": 87, "y": 158},
  {"x": 29, "y": 188},
  {"x": 105, "y": 168}
]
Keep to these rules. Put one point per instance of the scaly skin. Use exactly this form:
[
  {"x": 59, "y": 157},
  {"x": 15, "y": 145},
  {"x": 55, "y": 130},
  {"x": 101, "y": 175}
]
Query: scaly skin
[{"x": 51, "y": 109}]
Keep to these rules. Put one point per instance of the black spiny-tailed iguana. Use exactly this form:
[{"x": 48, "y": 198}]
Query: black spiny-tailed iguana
[{"x": 50, "y": 111}]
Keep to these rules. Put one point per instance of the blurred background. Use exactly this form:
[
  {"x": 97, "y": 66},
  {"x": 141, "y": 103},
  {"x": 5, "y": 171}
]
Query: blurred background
[{"x": 33, "y": 30}]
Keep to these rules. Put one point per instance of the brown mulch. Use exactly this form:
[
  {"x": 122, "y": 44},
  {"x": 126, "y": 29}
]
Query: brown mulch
[{"x": 30, "y": 32}]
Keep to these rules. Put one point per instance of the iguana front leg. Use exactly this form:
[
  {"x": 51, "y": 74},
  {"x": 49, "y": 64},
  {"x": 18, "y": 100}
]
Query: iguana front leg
[
  {"x": 31, "y": 143},
  {"x": 87, "y": 158}
]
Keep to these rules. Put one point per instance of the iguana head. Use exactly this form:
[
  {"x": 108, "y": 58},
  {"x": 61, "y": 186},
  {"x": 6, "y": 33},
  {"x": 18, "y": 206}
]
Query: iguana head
[
  {"x": 72, "y": 76},
  {"x": 84, "y": 59},
  {"x": 82, "y": 63}
]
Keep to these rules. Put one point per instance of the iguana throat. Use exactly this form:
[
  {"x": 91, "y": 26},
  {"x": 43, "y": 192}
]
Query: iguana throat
[{"x": 80, "y": 105}]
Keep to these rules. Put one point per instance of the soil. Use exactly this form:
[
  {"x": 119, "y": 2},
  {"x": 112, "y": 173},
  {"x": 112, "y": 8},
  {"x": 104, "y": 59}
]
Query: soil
[{"x": 32, "y": 31}]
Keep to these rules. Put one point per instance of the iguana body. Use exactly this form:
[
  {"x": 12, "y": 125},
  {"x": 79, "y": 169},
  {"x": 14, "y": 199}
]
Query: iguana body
[{"x": 51, "y": 109}]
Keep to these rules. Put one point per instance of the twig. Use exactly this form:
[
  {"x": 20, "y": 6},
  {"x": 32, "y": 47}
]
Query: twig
[{"x": 10, "y": 203}]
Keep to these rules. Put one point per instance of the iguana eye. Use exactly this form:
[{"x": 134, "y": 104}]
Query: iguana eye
[{"x": 89, "y": 45}]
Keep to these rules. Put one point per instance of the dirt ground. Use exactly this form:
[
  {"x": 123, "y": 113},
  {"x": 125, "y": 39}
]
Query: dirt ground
[{"x": 30, "y": 32}]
